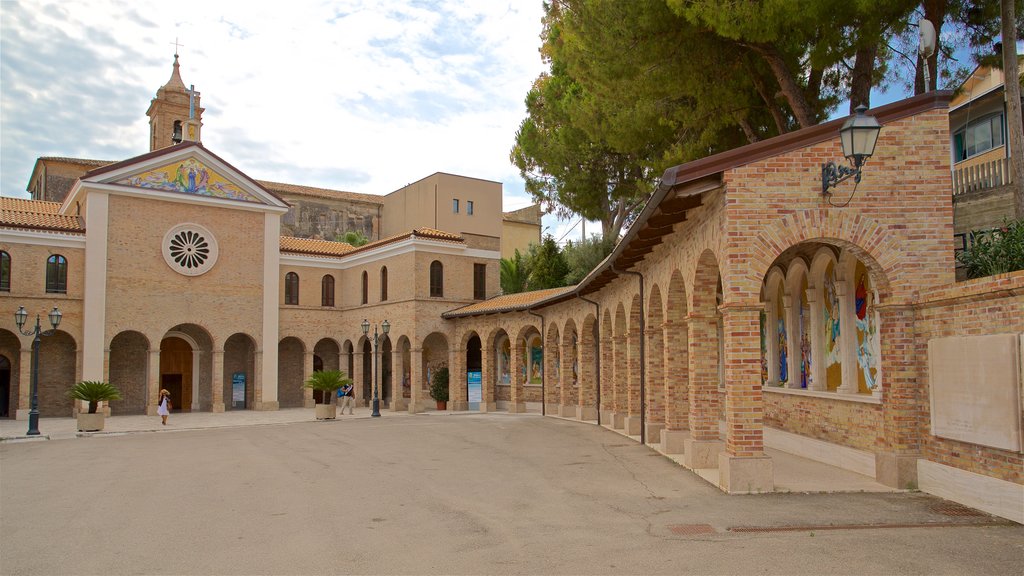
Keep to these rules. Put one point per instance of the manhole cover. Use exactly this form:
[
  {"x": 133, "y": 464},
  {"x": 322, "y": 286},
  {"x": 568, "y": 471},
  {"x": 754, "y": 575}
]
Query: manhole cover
[
  {"x": 954, "y": 509},
  {"x": 691, "y": 529}
]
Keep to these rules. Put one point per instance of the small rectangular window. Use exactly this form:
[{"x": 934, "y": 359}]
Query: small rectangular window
[
  {"x": 479, "y": 281},
  {"x": 469, "y": 207},
  {"x": 455, "y": 206}
]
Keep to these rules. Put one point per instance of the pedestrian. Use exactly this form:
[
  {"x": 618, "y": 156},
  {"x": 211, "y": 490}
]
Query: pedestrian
[
  {"x": 164, "y": 407},
  {"x": 346, "y": 393}
]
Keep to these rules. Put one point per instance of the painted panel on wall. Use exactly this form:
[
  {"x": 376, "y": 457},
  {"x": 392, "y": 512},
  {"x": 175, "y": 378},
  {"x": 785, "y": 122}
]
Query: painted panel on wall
[
  {"x": 783, "y": 359},
  {"x": 833, "y": 353},
  {"x": 867, "y": 331},
  {"x": 804, "y": 320},
  {"x": 191, "y": 177}
]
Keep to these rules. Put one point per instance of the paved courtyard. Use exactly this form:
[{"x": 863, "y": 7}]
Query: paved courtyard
[{"x": 445, "y": 494}]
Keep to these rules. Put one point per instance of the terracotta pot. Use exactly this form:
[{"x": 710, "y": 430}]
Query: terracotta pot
[
  {"x": 326, "y": 411},
  {"x": 442, "y": 405},
  {"x": 90, "y": 422}
]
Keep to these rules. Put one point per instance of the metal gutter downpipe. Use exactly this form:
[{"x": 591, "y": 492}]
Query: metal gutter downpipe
[
  {"x": 543, "y": 372},
  {"x": 643, "y": 358},
  {"x": 597, "y": 360}
]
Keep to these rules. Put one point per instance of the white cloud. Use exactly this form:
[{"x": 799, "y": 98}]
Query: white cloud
[{"x": 358, "y": 95}]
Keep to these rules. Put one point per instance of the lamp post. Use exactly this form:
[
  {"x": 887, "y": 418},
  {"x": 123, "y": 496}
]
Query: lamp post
[
  {"x": 20, "y": 317},
  {"x": 858, "y": 136},
  {"x": 385, "y": 327}
]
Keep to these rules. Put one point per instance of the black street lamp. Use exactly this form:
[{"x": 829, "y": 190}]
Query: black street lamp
[
  {"x": 858, "y": 136},
  {"x": 20, "y": 317},
  {"x": 385, "y": 327}
]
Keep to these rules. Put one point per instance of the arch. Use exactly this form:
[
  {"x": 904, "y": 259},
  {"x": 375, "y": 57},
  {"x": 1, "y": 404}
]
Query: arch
[
  {"x": 239, "y": 372},
  {"x": 383, "y": 283},
  {"x": 705, "y": 348},
  {"x": 327, "y": 290},
  {"x": 527, "y": 367},
  {"x": 550, "y": 369},
  {"x": 569, "y": 369},
  {"x": 498, "y": 377},
  {"x": 349, "y": 350},
  {"x": 403, "y": 368},
  {"x": 291, "y": 362},
  {"x": 799, "y": 320},
  {"x": 473, "y": 362},
  {"x": 620, "y": 373},
  {"x": 634, "y": 400},
  {"x": 776, "y": 298},
  {"x": 433, "y": 358},
  {"x": 386, "y": 376},
  {"x": 606, "y": 382},
  {"x": 436, "y": 279},
  {"x": 187, "y": 370},
  {"x": 291, "y": 289},
  {"x": 367, "y": 347},
  {"x": 676, "y": 359},
  {"x": 128, "y": 371},
  {"x": 326, "y": 356},
  {"x": 589, "y": 367},
  {"x": 56, "y": 373}
]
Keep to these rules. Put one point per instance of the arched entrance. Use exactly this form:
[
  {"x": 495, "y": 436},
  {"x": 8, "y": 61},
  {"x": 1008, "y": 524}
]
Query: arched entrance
[
  {"x": 326, "y": 356},
  {"x": 367, "y": 372},
  {"x": 385, "y": 372},
  {"x": 177, "y": 371},
  {"x": 239, "y": 372},
  {"x": 474, "y": 372},
  {"x": 128, "y": 370},
  {"x": 5, "y": 387},
  {"x": 291, "y": 353},
  {"x": 435, "y": 357}
]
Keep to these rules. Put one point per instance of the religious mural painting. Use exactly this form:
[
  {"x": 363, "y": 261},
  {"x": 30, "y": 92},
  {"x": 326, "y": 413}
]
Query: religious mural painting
[
  {"x": 803, "y": 320},
  {"x": 191, "y": 177},
  {"x": 830, "y": 315},
  {"x": 867, "y": 332}
]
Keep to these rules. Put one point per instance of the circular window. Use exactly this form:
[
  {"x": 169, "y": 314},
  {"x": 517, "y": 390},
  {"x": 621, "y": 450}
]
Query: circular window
[{"x": 190, "y": 249}]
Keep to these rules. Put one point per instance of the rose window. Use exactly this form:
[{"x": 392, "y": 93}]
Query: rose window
[{"x": 190, "y": 249}]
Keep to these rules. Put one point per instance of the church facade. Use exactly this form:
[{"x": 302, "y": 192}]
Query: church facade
[{"x": 743, "y": 310}]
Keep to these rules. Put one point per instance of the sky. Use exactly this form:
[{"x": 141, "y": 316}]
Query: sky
[{"x": 356, "y": 95}]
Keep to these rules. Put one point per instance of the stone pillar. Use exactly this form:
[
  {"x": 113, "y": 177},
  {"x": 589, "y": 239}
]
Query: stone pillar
[
  {"x": 262, "y": 400},
  {"x": 307, "y": 371},
  {"x": 817, "y": 375},
  {"x": 551, "y": 366},
  {"x": 398, "y": 371},
  {"x": 605, "y": 382},
  {"x": 743, "y": 467},
  {"x": 416, "y": 396},
  {"x": 357, "y": 379},
  {"x": 566, "y": 407},
  {"x": 676, "y": 388},
  {"x": 152, "y": 382},
  {"x": 847, "y": 336},
  {"x": 488, "y": 378},
  {"x": 619, "y": 383},
  {"x": 902, "y": 400},
  {"x": 702, "y": 448},
  {"x": 517, "y": 402},
  {"x": 655, "y": 385},
  {"x": 633, "y": 367},
  {"x": 791, "y": 303},
  {"x": 588, "y": 361},
  {"x": 217, "y": 381},
  {"x": 24, "y": 384},
  {"x": 457, "y": 400}
]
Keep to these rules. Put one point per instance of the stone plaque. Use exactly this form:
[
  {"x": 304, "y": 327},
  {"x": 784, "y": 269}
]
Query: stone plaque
[{"x": 975, "y": 384}]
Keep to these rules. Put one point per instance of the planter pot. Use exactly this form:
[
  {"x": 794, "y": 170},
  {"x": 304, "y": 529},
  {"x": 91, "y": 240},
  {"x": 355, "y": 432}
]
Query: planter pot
[
  {"x": 90, "y": 422},
  {"x": 442, "y": 405},
  {"x": 326, "y": 411}
]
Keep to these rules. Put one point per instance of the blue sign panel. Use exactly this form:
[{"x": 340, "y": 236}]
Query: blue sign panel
[
  {"x": 476, "y": 389},
  {"x": 238, "y": 390}
]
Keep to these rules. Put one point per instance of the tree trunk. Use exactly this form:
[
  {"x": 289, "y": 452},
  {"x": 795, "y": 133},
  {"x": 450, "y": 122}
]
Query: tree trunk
[
  {"x": 860, "y": 81},
  {"x": 1014, "y": 127},
  {"x": 769, "y": 101},
  {"x": 792, "y": 91}
]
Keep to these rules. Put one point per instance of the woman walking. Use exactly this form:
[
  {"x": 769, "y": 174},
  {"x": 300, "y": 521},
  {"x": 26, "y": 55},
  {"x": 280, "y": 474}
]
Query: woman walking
[{"x": 164, "y": 408}]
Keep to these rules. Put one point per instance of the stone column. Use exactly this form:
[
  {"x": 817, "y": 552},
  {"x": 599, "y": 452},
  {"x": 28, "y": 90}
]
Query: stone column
[
  {"x": 605, "y": 382},
  {"x": 307, "y": 371},
  {"x": 701, "y": 449},
  {"x": 588, "y": 360},
  {"x": 24, "y": 384},
  {"x": 357, "y": 378},
  {"x": 416, "y": 396},
  {"x": 398, "y": 370},
  {"x": 633, "y": 367},
  {"x": 217, "y": 384},
  {"x": 817, "y": 375},
  {"x": 517, "y": 402},
  {"x": 262, "y": 400},
  {"x": 551, "y": 367},
  {"x": 743, "y": 467},
  {"x": 457, "y": 381},
  {"x": 488, "y": 378},
  {"x": 566, "y": 408},
  {"x": 902, "y": 399},
  {"x": 655, "y": 385},
  {"x": 619, "y": 382},
  {"x": 152, "y": 381},
  {"x": 676, "y": 387},
  {"x": 847, "y": 336},
  {"x": 792, "y": 305}
]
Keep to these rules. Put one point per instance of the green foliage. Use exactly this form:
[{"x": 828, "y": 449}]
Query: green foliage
[
  {"x": 996, "y": 252},
  {"x": 584, "y": 256},
  {"x": 328, "y": 382},
  {"x": 515, "y": 272},
  {"x": 439, "y": 385},
  {"x": 548, "y": 267},
  {"x": 354, "y": 237},
  {"x": 94, "y": 392}
]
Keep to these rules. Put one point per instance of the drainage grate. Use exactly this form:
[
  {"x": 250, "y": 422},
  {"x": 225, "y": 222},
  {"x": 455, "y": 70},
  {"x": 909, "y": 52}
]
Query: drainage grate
[
  {"x": 691, "y": 529},
  {"x": 954, "y": 509}
]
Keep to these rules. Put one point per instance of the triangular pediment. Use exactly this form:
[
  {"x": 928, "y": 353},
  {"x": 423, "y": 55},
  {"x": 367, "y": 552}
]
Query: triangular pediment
[{"x": 185, "y": 170}]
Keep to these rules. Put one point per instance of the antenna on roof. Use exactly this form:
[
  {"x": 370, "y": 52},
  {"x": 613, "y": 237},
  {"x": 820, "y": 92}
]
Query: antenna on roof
[{"x": 926, "y": 48}]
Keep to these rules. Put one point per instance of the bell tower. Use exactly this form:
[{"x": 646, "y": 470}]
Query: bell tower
[{"x": 175, "y": 115}]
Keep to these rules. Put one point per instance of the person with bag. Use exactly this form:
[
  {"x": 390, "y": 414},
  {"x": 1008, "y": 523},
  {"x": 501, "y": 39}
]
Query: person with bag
[
  {"x": 164, "y": 407},
  {"x": 346, "y": 393}
]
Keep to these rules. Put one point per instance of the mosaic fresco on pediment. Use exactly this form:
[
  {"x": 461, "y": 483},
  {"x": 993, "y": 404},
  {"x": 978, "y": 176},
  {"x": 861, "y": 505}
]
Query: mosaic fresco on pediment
[{"x": 191, "y": 177}]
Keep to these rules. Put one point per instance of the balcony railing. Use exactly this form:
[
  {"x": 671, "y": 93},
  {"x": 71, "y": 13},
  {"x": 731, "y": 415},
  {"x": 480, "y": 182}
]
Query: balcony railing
[{"x": 984, "y": 176}]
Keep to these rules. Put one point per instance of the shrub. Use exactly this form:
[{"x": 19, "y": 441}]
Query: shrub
[
  {"x": 995, "y": 252},
  {"x": 439, "y": 385},
  {"x": 328, "y": 382},
  {"x": 94, "y": 392}
]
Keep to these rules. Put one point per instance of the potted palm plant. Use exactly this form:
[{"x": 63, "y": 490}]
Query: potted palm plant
[
  {"x": 93, "y": 392},
  {"x": 327, "y": 382},
  {"x": 439, "y": 388}
]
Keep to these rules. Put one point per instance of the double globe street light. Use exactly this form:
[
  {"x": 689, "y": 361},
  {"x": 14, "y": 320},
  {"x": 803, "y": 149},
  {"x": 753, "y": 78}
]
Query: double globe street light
[
  {"x": 20, "y": 317},
  {"x": 385, "y": 327}
]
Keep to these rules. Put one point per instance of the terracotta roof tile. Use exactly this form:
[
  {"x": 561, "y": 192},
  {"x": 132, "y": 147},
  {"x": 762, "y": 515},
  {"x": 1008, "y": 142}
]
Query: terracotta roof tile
[
  {"x": 314, "y": 247},
  {"x": 428, "y": 233},
  {"x": 508, "y": 302},
  {"x": 26, "y": 205},
  {"x": 283, "y": 188},
  {"x": 40, "y": 220},
  {"x": 78, "y": 161}
]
